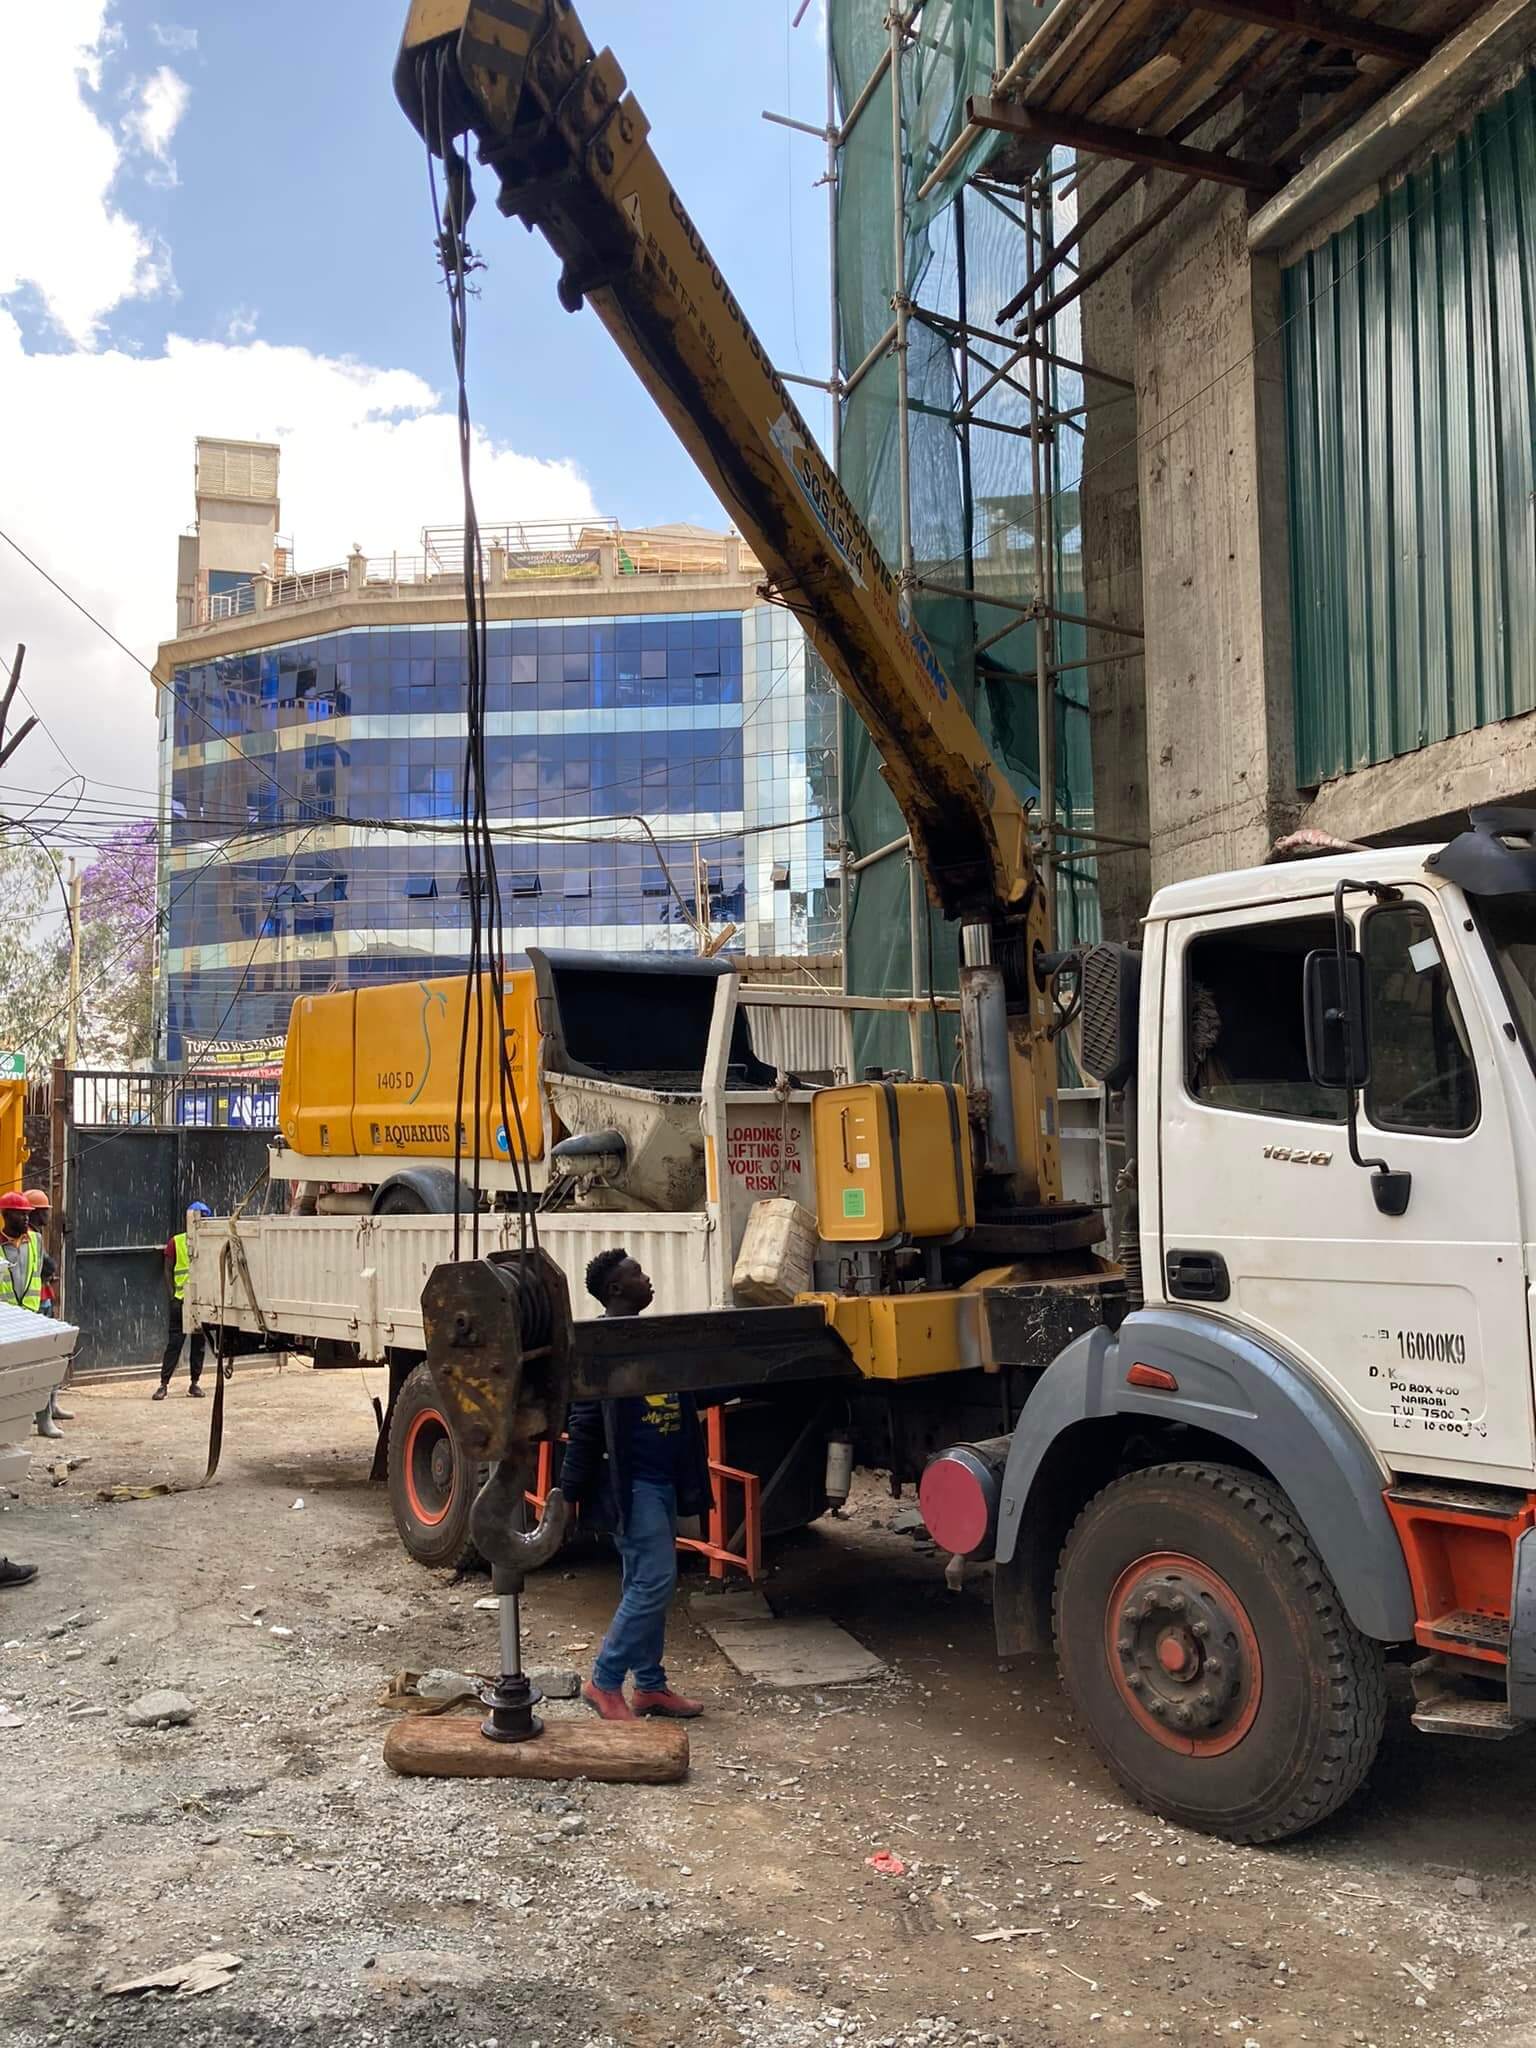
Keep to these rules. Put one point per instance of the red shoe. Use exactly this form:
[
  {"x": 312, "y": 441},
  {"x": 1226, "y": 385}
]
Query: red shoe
[
  {"x": 611, "y": 1706},
  {"x": 670, "y": 1705}
]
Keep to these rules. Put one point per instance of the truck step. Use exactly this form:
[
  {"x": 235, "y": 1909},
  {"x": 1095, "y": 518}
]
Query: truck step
[
  {"x": 1429, "y": 1496},
  {"x": 1457, "y": 1713},
  {"x": 1450, "y": 1699},
  {"x": 1466, "y": 1630}
]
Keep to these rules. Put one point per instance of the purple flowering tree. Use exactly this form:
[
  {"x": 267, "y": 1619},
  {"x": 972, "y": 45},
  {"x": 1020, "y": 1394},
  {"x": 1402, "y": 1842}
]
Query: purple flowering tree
[
  {"x": 117, "y": 949},
  {"x": 33, "y": 973}
]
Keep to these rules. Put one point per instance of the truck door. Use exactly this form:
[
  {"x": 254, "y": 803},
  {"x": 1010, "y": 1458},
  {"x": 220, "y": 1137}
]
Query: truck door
[{"x": 1416, "y": 1322}]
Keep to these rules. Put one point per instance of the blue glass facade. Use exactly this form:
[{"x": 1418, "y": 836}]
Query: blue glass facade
[{"x": 319, "y": 848}]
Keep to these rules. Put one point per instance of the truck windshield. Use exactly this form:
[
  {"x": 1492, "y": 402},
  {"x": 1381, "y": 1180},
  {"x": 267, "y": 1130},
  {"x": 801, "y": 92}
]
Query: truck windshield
[{"x": 1509, "y": 925}]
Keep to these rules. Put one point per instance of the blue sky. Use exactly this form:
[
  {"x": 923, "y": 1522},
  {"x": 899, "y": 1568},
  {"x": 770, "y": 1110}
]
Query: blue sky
[
  {"x": 300, "y": 204},
  {"x": 237, "y": 242}
]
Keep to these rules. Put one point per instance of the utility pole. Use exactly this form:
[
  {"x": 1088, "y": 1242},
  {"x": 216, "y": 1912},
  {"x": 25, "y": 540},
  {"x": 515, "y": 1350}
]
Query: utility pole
[
  {"x": 72, "y": 1041},
  {"x": 700, "y": 898}
]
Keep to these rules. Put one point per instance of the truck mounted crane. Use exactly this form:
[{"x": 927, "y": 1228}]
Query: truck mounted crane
[
  {"x": 569, "y": 144},
  {"x": 1297, "y": 1436}
]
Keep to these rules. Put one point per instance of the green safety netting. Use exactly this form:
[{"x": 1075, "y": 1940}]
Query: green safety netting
[{"x": 971, "y": 486}]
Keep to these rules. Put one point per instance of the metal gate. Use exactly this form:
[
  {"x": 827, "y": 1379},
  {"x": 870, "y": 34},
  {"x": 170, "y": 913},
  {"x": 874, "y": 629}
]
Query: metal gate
[{"x": 130, "y": 1151}]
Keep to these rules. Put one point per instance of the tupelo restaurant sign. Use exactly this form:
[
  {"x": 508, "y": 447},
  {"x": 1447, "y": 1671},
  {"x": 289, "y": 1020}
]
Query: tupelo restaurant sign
[{"x": 250, "y": 1058}]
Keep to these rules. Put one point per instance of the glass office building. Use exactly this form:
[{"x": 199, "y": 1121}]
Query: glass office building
[{"x": 661, "y": 752}]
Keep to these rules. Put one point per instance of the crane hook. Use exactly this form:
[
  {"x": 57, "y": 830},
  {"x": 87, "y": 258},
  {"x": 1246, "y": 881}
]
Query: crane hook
[{"x": 510, "y": 1551}]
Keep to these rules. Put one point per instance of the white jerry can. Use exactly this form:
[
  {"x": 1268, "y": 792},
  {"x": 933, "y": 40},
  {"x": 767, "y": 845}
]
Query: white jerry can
[{"x": 777, "y": 1260}]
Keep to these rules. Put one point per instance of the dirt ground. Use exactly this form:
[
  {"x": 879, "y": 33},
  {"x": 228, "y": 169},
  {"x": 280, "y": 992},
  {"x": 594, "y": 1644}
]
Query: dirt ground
[{"x": 738, "y": 1907}]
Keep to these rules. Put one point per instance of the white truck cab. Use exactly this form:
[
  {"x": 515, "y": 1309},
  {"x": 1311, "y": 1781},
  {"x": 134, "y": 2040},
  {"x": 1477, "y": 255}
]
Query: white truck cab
[
  {"x": 1308, "y": 1447},
  {"x": 1417, "y": 1323}
]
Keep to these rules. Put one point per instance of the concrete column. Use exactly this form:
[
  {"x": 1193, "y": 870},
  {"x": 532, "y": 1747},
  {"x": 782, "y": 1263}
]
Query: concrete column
[
  {"x": 1111, "y": 513},
  {"x": 496, "y": 565},
  {"x": 261, "y": 591},
  {"x": 733, "y": 554},
  {"x": 357, "y": 571},
  {"x": 1214, "y": 541}
]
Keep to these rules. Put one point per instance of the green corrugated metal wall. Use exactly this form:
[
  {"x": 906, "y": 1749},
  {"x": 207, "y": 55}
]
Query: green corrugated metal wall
[{"x": 1411, "y": 376}]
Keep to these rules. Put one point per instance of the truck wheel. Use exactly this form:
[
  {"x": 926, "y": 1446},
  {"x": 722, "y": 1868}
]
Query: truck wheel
[
  {"x": 1206, "y": 1651},
  {"x": 431, "y": 1485},
  {"x": 422, "y": 1191}
]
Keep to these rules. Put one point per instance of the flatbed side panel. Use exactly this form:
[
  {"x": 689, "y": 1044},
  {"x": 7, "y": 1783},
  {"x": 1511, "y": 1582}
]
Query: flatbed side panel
[
  {"x": 358, "y": 1279},
  {"x": 307, "y": 1274},
  {"x": 671, "y": 1248}
]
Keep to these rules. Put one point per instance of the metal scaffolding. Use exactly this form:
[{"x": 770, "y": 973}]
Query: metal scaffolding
[
  {"x": 960, "y": 394},
  {"x": 959, "y": 440}
]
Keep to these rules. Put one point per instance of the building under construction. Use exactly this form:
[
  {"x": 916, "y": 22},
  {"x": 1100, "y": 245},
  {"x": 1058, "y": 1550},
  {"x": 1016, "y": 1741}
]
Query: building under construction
[{"x": 1185, "y": 367}]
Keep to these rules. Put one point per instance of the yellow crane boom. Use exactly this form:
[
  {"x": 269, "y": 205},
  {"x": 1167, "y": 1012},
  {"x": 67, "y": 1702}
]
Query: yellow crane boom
[{"x": 554, "y": 121}]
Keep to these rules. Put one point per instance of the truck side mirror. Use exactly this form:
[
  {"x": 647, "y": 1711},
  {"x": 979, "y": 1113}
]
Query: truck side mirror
[
  {"x": 1109, "y": 991},
  {"x": 1333, "y": 995},
  {"x": 1339, "y": 1048}
]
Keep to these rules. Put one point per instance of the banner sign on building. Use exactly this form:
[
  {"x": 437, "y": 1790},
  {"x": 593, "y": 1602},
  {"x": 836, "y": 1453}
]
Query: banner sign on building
[
  {"x": 232, "y": 1108},
  {"x": 556, "y": 562},
  {"x": 257, "y": 1059}
]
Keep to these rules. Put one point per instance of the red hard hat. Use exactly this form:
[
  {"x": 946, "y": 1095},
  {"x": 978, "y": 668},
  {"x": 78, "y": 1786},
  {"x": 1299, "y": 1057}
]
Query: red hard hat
[
  {"x": 14, "y": 1200},
  {"x": 36, "y": 1199}
]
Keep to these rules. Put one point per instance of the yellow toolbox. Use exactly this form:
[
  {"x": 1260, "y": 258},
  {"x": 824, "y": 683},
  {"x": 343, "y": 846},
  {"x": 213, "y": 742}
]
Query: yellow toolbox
[{"x": 893, "y": 1159}]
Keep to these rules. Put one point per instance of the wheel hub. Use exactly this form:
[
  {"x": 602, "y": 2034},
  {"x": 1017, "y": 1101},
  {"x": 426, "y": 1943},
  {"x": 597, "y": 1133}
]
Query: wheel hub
[
  {"x": 1178, "y": 1653},
  {"x": 1183, "y": 1653},
  {"x": 442, "y": 1464}
]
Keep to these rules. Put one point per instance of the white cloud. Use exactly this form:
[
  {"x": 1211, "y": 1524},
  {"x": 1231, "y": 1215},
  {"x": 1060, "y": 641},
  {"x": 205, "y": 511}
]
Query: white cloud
[
  {"x": 99, "y": 439},
  {"x": 160, "y": 101},
  {"x": 368, "y": 454},
  {"x": 171, "y": 36},
  {"x": 78, "y": 251}
]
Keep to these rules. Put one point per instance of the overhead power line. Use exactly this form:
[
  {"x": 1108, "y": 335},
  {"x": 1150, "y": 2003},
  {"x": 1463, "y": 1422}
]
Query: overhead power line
[{"x": 139, "y": 662}]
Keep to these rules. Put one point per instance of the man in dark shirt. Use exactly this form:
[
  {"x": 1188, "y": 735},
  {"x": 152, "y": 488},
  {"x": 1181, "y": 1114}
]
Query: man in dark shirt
[{"x": 645, "y": 1459}]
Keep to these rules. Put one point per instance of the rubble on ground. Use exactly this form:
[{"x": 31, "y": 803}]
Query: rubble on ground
[{"x": 1034, "y": 1909}]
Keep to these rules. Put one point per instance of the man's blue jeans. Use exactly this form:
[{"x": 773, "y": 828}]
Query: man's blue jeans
[{"x": 638, "y": 1631}]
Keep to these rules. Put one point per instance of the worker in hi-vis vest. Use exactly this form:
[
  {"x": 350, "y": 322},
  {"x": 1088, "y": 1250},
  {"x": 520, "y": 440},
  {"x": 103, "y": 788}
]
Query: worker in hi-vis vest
[
  {"x": 23, "y": 1269},
  {"x": 176, "y": 1263},
  {"x": 41, "y": 1210}
]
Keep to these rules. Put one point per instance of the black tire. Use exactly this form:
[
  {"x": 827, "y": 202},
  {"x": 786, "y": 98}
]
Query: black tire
[
  {"x": 1208, "y": 1656},
  {"x": 422, "y": 1191},
  {"x": 432, "y": 1486}
]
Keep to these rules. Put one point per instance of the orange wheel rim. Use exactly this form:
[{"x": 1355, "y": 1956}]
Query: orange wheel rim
[
  {"x": 1183, "y": 1654},
  {"x": 428, "y": 1465}
]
